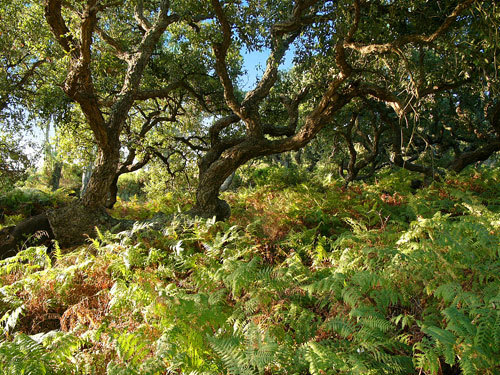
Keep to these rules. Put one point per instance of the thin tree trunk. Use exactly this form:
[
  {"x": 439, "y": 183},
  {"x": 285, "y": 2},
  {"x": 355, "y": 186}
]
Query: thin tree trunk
[
  {"x": 87, "y": 172},
  {"x": 113, "y": 192},
  {"x": 227, "y": 183},
  {"x": 56, "y": 176}
]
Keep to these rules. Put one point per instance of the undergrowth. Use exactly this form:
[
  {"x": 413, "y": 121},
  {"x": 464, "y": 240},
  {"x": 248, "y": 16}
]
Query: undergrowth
[{"x": 306, "y": 279}]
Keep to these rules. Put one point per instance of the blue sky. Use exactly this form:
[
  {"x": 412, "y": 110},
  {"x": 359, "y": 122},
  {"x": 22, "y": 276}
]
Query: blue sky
[{"x": 255, "y": 63}]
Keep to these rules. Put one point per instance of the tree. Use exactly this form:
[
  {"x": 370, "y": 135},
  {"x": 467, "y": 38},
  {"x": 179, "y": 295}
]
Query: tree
[
  {"x": 22, "y": 63},
  {"x": 443, "y": 117},
  {"x": 125, "y": 54},
  {"x": 346, "y": 80},
  {"x": 345, "y": 62},
  {"x": 101, "y": 39}
]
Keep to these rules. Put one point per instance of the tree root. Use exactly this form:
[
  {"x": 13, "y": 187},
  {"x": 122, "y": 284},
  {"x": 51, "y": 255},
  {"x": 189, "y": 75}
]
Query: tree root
[
  {"x": 71, "y": 225},
  {"x": 74, "y": 224},
  {"x": 33, "y": 231}
]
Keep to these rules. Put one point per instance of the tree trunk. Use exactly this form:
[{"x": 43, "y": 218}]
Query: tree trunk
[
  {"x": 56, "y": 176},
  {"x": 212, "y": 177},
  {"x": 113, "y": 192},
  {"x": 87, "y": 172},
  {"x": 208, "y": 203},
  {"x": 102, "y": 176},
  {"x": 227, "y": 183},
  {"x": 73, "y": 224}
]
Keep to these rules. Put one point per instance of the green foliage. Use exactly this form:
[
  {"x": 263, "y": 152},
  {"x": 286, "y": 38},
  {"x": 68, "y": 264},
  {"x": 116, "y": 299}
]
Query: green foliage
[
  {"x": 29, "y": 202},
  {"x": 277, "y": 176},
  {"x": 131, "y": 185},
  {"x": 356, "y": 283},
  {"x": 48, "y": 353}
]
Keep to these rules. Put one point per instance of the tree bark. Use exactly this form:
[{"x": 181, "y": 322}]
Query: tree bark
[
  {"x": 113, "y": 192},
  {"x": 127, "y": 166},
  {"x": 74, "y": 224},
  {"x": 102, "y": 176},
  {"x": 208, "y": 204},
  {"x": 467, "y": 158},
  {"x": 227, "y": 183},
  {"x": 56, "y": 176}
]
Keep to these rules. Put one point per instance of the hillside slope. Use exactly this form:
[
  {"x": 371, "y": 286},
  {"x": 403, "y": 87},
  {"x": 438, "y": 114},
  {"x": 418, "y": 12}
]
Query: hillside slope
[{"x": 303, "y": 279}]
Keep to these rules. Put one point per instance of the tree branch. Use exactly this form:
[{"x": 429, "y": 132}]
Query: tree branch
[
  {"x": 139, "y": 16},
  {"x": 119, "y": 51},
  {"x": 136, "y": 65},
  {"x": 58, "y": 27},
  {"x": 220, "y": 51},
  {"x": 158, "y": 93},
  {"x": 220, "y": 125},
  {"x": 292, "y": 106},
  {"x": 366, "y": 49}
]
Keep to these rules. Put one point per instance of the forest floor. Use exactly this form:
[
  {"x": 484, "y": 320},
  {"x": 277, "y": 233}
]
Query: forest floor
[{"x": 304, "y": 278}]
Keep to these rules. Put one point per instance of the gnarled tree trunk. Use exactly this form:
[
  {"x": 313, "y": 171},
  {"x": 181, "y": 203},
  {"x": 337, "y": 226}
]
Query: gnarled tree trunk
[
  {"x": 102, "y": 177},
  {"x": 211, "y": 177}
]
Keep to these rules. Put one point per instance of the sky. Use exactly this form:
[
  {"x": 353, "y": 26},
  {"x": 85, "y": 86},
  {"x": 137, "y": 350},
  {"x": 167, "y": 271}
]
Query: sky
[{"x": 255, "y": 63}]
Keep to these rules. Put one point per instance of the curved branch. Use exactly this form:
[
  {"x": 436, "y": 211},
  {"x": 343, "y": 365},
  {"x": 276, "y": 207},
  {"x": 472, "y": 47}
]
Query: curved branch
[
  {"x": 366, "y": 49},
  {"x": 119, "y": 51},
  {"x": 292, "y": 106},
  {"x": 463, "y": 160},
  {"x": 58, "y": 27},
  {"x": 220, "y": 125},
  {"x": 220, "y": 51}
]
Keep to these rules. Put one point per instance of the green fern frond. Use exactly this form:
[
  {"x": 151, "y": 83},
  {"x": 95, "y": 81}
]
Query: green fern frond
[
  {"x": 232, "y": 355},
  {"x": 459, "y": 323},
  {"x": 330, "y": 284},
  {"x": 131, "y": 348},
  {"x": 448, "y": 292},
  {"x": 496, "y": 330},
  {"x": 351, "y": 296},
  {"x": 340, "y": 326},
  {"x": 376, "y": 323}
]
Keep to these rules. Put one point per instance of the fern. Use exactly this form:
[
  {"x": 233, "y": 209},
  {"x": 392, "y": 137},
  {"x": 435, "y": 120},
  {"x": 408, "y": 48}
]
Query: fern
[
  {"x": 232, "y": 355},
  {"x": 340, "y": 326},
  {"x": 131, "y": 348},
  {"x": 330, "y": 284},
  {"x": 496, "y": 330},
  {"x": 459, "y": 323},
  {"x": 50, "y": 353}
]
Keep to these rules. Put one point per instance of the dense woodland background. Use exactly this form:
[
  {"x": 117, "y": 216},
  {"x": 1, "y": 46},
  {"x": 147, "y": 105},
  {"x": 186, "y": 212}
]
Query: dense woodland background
[{"x": 159, "y": 213}]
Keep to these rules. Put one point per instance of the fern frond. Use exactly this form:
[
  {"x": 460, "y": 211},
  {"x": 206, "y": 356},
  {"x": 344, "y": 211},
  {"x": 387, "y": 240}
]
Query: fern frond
[{"x": 459, "y": 323}]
